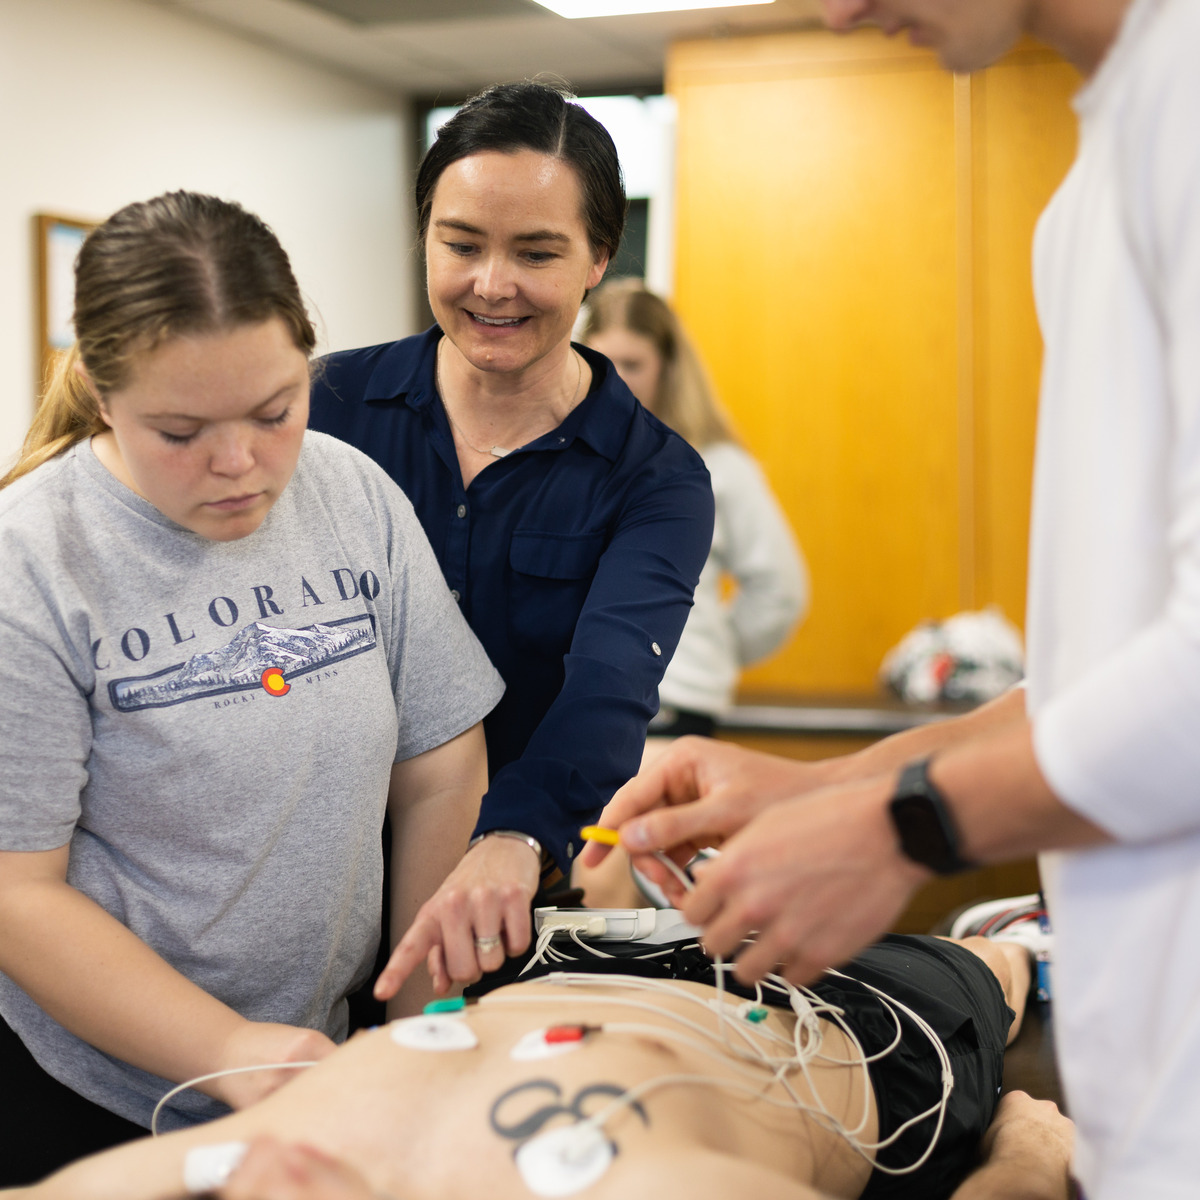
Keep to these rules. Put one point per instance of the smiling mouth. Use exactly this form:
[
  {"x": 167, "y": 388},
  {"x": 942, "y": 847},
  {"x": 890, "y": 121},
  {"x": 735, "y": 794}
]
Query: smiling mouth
[{"x": 497, "y": 322}]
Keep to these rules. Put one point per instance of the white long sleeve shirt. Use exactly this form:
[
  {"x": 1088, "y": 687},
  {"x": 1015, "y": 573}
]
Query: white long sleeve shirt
[
  {"x": 1114, "y": 605},
  {"x": 753, "y": 544}
]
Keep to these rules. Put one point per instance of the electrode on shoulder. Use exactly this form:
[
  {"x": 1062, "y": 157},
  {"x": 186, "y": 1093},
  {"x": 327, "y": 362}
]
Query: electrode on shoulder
[{"x": 206, "y": 1168}]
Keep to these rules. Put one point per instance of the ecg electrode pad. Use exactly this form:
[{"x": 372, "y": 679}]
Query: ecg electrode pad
[
  {"x": 537, "y": 1044},
  {"x": 564, "y": 1161},
  {"x": 206, "y": 1168},
  {"x": 433, "y": 1032}
]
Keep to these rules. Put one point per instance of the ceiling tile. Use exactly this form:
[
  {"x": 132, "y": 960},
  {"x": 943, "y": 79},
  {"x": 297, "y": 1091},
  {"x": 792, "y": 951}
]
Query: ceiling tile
[
  {"x": 378, "y": 12},
  {"x": 449, "y": 48}
]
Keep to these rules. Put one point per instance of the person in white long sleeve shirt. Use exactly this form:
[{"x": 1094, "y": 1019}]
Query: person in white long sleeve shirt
[
  {"x": 1098, "y": 759},
  {"x": 753, "y": 546}
]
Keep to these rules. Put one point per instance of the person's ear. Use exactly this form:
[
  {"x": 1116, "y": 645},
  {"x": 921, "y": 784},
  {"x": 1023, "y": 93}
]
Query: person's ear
[
  {"x": 599, "y": 266},
  {"x": 86, "y": 379}
]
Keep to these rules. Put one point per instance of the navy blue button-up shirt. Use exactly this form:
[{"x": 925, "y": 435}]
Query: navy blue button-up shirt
[{"x": 574, "y": 560}]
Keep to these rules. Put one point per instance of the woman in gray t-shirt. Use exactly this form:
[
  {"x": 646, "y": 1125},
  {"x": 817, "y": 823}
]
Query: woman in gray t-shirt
[{"x": 227, "y": 648}]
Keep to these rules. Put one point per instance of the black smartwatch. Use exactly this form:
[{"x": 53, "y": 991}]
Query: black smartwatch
[{"x": 923, "y": 822}]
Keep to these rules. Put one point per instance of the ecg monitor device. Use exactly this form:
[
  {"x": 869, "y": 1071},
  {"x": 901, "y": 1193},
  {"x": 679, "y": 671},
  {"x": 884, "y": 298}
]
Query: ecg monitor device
[
  {"x": 616, "y": 924},
  {"x": 598, "y": 924}
]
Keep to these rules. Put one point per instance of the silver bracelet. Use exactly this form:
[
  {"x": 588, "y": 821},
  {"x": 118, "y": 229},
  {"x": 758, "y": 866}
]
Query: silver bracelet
[{"x": 527, "y": 838}]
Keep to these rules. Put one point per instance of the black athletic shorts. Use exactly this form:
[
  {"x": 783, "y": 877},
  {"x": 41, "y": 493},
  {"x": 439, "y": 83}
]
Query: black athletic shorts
[
  {"x": 954, "y": 991},
  {"x": 947, "y": 986}
]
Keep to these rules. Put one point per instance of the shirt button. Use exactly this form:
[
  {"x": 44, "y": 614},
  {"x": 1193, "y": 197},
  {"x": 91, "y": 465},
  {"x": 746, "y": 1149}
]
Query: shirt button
[
  {"x": 462, "y": 510},
  {"x": 454, "y": 593},
  {"x": 570, "y": 849},
  {"x": 656, "y": 648}
]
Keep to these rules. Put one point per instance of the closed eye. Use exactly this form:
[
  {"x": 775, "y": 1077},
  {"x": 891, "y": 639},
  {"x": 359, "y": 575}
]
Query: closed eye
[
  {"x": 176, "y": 439},
  {"x": 279, "y": 420},
  {"x": 182, "y": 439}
]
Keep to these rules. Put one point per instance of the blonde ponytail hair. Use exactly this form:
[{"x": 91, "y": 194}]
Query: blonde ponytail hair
[{"x": 67, "y": 413}]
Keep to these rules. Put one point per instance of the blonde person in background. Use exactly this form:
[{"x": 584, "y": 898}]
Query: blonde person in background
[
  {"x": 752, "y": 548},
  {"x": 752, "y": 544}
]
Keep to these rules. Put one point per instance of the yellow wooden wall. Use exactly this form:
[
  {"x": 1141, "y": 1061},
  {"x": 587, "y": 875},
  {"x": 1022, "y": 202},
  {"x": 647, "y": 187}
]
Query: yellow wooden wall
[{"x": 853, "y": 240}]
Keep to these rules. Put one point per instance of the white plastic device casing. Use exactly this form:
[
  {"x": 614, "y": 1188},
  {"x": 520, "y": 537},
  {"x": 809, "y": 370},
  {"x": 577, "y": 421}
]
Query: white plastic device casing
[
  {"x": 653, "y": 925},
  {"x": 598, "y": 924}
]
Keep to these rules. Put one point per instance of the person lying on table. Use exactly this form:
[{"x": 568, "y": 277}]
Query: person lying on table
[{"x": 638, "y": 1077}]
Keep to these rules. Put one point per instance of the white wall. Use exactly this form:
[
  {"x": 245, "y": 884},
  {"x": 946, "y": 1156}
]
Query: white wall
[{"x": 107, "y": 101}]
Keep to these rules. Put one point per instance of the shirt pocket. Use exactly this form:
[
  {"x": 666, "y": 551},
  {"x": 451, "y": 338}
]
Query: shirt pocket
[{"x": 551, "y": 576}]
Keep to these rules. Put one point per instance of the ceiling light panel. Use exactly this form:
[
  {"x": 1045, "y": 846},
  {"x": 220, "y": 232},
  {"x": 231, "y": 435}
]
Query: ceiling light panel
[{"x": 622, "y": 8}]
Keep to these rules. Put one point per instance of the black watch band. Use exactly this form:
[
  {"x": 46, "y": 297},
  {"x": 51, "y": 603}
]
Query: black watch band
[{"x": 923, "y": 822}]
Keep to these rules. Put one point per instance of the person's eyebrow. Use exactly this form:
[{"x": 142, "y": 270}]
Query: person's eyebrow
[
  {"x": 178, "y": 416},
  {"x": 535, "y": 235}
]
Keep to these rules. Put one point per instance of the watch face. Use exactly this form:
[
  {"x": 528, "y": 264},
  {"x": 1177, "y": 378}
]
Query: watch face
[
  {"x": 923, "y": 823},
  {"x": 921, "y": 831}
]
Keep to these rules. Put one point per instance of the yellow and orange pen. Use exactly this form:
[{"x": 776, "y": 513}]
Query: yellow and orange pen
[
  {"x": 597, "y": 833},
  {"x": 610, "y": 837}
]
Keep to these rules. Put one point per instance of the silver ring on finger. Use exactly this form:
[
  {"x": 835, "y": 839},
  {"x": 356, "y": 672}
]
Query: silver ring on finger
[{"x": 491, "y": 942}]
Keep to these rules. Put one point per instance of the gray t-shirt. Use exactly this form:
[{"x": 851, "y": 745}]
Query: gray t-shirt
[{"x": 211, "y": 725}]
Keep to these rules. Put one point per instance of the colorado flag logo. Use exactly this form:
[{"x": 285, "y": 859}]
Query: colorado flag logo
[{"x": 274, "y": 683}]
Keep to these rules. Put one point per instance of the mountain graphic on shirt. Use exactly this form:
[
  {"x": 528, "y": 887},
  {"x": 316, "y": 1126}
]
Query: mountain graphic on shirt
[{"x": 239, "y": 664}]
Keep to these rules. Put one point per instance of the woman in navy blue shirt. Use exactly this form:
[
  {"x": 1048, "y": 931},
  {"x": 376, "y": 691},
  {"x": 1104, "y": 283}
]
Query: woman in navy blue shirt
[{"x": 570, "y": 524}]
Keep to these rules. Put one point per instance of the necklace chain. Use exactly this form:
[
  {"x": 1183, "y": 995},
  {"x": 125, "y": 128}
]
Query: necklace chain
[{"x": 494, "y": 451}]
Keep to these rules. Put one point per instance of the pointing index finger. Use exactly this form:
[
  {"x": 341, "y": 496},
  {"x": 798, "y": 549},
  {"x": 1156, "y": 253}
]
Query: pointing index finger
[{"x": 408, "y": 954}]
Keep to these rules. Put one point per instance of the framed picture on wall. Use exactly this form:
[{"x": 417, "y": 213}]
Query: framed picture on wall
[{"x": 57, "y": 242}]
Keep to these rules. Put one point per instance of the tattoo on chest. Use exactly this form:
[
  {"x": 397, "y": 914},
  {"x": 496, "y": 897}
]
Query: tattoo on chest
[{"x": 507, "y": 1121}]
